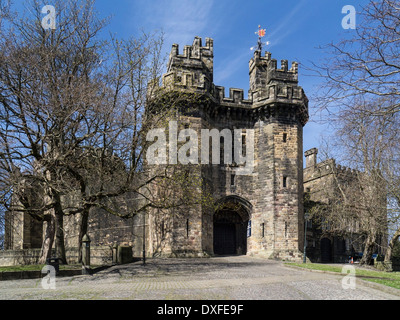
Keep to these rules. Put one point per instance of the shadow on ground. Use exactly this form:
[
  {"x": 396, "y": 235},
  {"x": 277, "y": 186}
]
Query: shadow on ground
[{"x": 183, "y": 266}]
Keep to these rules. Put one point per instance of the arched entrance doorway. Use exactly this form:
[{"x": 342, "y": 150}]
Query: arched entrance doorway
[{"x": 230, "y": 223}]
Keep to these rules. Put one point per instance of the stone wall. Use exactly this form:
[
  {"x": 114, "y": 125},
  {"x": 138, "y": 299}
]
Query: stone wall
[
  {"x": 99, "y": 255},
  {"x": 270, "y": 196},
  {"x": 389, "y": 266},
  {"x": 19, "y": 257}
]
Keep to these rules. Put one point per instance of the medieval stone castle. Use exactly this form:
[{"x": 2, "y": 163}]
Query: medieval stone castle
[{"x": 260, "y": 213}]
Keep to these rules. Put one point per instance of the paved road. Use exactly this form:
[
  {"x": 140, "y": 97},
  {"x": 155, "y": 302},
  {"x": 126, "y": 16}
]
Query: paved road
[{"x": 217, "y": 278}]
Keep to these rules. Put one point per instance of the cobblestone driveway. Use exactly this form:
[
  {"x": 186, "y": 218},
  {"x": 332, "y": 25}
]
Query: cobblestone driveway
[{"x": 217, "y": 278}]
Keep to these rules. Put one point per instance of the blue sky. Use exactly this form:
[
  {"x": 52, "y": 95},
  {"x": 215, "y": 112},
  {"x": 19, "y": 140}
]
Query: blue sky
[{"x": 295, "y": 29}]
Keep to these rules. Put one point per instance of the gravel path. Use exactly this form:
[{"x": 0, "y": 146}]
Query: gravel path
[{"x": 218, "y": 278}]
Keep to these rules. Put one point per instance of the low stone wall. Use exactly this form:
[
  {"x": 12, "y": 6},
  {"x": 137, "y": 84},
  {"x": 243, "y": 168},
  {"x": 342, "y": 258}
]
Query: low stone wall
[
  {"x": 393, "y": 265},
  {"x": 19, "y": 275},
  {"x": 99, "y": 255},
  {"x": 19, "y": 257}
]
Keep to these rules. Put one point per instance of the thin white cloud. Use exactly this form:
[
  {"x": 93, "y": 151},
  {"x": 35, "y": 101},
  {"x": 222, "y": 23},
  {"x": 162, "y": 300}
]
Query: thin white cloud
[
  {"x": 275, "y": 34},
  {"x": 180, "y": 20},
  {"x": 287, "y": 25},
  {"x": 227, "y": 68}
]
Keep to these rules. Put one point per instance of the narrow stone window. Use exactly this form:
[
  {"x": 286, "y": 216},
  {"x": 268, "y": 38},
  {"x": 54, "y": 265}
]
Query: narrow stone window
[
  {"x": 233, "y": 151},
  {"x": 243, "y": 145},
  {"x": 232, "y": 180},
  {"x": 262, "y": 230},
  {"x": 187, "y": 228},
  {"x": 221, "y": 150},
  {"x": 284, "y": 182},
  {"x": 284, "y": 138},
  {"x": 286, "y": 229},
  {"x": 162, "y": 230}
]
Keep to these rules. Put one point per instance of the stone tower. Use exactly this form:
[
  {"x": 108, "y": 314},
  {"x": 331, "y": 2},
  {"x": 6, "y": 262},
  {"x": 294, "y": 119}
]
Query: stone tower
[
  {"x": 253, "y": 167},
  {"x": 260, "y": 212}
]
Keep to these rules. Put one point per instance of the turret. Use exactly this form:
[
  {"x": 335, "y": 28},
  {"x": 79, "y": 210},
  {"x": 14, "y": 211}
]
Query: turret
[
  {"x": 263, "y": 71},
  {"x": 311, "y": 157},
  {"x": 270, "y": 85},
  {"x": 193, "y": 69}
]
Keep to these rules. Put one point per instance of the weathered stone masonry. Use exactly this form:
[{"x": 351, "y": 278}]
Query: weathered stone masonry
[
  {"x": 260, "y": 213},
  {"x": 271, "y": 197}
]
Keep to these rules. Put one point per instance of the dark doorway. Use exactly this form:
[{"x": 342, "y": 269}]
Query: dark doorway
[
  {"x": 224, "y": 238},
  {"x": 326, "y": 250},
  {"x": 229, "y": 233}
]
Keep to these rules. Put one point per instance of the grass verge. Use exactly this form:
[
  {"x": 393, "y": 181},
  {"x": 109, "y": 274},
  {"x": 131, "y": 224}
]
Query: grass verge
[
  {"x": 390, "y": 279},
  {"x": 37, "y": 267}
]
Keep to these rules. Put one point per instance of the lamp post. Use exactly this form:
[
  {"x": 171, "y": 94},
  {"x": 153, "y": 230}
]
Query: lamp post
[
  {"x": 305, "y": 238},
  {"x": 144, "y": 238}
]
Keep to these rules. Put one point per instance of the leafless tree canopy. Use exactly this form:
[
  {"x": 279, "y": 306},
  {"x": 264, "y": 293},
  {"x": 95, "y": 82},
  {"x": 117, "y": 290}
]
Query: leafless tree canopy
[
  {"x": 360, "y": 96},
  {"x": 74, "y": 114},
  {"x": 365, "y": 66}
]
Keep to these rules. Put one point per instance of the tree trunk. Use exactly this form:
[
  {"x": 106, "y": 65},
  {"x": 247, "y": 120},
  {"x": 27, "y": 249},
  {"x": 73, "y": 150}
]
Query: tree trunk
[
  {"x": 59, "y": 239},
  {"x": 388, "y": 255},
  {"x": 368, "y": 249},
  {"x": 47, "y": 241}
]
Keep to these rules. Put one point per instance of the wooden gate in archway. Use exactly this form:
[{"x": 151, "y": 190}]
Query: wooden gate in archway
[{"x": 230, "y": 223}]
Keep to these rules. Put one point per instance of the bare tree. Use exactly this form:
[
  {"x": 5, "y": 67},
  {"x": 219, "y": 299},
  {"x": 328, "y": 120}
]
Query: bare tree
[
  {"x": 361, "y": 202},
  {"x": 75, "y": 110},
  {"x": 360, "y": 96},
  {"x": 365, "y": 66}
]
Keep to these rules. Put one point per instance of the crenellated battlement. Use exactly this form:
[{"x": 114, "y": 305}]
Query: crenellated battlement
[
  {"x": 195, "y": 51},
  {"x": 267, "y": 80},
  {"x": 193, "y": 57},
  {"x": 314, "y": 170},
  {"x": 346, "y": 170},
  {"x": 270, "y": 67},
  {"x": 192, "y": 70},
  {"x": 236, "y": 96}
]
